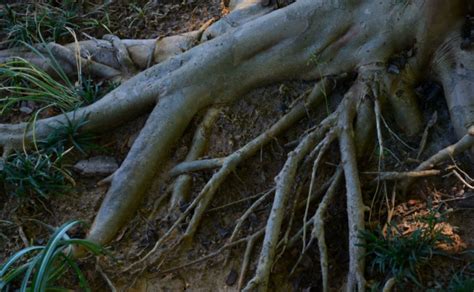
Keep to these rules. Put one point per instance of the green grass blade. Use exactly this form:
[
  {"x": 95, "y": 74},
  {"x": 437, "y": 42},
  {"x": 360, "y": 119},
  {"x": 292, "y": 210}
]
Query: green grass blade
[
  {"x": 16, "y": 257},
  {"x": 39, "y": 281}
]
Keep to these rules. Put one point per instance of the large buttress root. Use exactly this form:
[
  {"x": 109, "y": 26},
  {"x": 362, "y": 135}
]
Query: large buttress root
[
  {"x": 148, "y": 151},
  {"x": 454, "y": 67}
]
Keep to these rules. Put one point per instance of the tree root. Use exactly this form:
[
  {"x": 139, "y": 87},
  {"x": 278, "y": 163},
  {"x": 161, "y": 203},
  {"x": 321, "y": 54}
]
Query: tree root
[
  {"x": 127, "y": 67},
  {"x": 395, "y": 175},
  {"x": 182, "y": 186},
  {"x": 284, "y": 183},
  {"x": 246, "y": 261},
  {"x": 247, "y": 213},
  {"x": 246, "y": 51},
  {"x": 231, "y": 161},
  {"x": 318, "y": 228},
  {"x": 73, "y": 57},
  {"x": 249, "y": 239},
  {"x": 200, "y": 203},
  {"x": 464, "y": 144},
  {"x": 321, "y": 150},
  {"x": 355, "y": 205},
  {"x": 389, "y": 285}
]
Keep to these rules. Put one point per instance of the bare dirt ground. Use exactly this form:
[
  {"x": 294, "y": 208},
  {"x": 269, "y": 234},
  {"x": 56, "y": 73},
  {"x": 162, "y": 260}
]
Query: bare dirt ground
[{"x": 237, "y": 124}]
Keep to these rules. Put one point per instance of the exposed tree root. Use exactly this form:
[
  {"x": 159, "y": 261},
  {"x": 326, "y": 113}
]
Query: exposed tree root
[
  {"x": 464, "y": 144},
  {"x": 250, "y": 149},
  {"x": 246, "y": 261},
  {"x": 318, "y": 233},
  {"x": 389, "y": 285},
  {"x": 284, "y": 184},
  {"x": 394, "y": 175},
  {"x": 200, "y": 203},
  {"x": 355, "y": 205},
  {"x": 250, "y": 240},
  {"x": 183, "y": 183},
  {"x": 251, "y": 47},
  {"x": 247, "y": 213}
]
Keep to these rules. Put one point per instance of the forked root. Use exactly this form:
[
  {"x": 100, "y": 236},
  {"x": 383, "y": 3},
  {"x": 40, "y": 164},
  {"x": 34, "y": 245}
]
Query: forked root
[
  {"x": 284, "y": 186},
  {"x": 464, "y": 144},
  {"x": 183, "y": 183},
  {"x": 232, "y": 161},
  {"x": 202, "y": 200},
  {"x": 318, "y": 233},
  {"x": 355, "y": 204}
]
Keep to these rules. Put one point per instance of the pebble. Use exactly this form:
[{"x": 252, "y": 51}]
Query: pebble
[
  {"x": 231, "y": 278},
  {"x": 26, "y": 110},
  {"x": 98, "y": 165}
]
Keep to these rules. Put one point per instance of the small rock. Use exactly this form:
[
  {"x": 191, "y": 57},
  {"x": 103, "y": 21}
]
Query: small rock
[
  {"x": 393, "y": 69},
  {"x": 231, "y": 278},
  {"x": 26, "y": 110},
  {"x": 98, "y": 165}
]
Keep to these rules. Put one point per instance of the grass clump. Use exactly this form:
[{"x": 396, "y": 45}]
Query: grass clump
[
  {"x": 25, "y": 175},
  {"x": 44, "y": 172},
  {"x": 463, "y": 281},
  {"x": 22, "y": 81},
  {"x": 68, "y": 136},
  {"x": 47, "y": 20},
  {"x": 395, "y": 254},
  {"x": 40, "y": 268}
]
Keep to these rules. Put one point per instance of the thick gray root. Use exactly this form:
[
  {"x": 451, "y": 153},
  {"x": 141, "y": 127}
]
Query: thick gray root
[
  {"x": 355, "y": 205},
  {"x": 133, "y": 178},
  {"x": 455, "y": 69}
]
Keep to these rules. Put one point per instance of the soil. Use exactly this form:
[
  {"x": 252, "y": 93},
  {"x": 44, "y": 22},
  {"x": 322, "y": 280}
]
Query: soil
[{"x": 20, "y": 220}]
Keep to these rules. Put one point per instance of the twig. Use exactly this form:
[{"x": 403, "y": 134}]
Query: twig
[
  {"x": 240, "y": 201},
  {"x": 395, "y": 175},
  {"x": 424, "y": 138},
  {"x": 106, "y": 278},
  {"x": 220, "y": 250}
]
